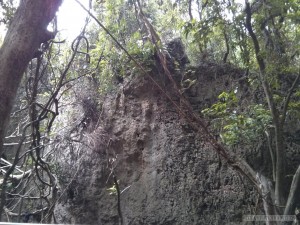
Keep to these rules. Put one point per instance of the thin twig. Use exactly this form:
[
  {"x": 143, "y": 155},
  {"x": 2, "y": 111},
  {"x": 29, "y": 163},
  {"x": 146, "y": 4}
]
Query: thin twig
[{"x": 119, "y": 199}]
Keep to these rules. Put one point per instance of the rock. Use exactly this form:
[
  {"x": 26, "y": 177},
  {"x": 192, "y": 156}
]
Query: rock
[{"x": 167, "y": 173}]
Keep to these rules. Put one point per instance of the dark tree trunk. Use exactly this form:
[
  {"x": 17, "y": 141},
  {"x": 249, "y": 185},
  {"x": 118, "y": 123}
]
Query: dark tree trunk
[{"x": 24, "y": 36}]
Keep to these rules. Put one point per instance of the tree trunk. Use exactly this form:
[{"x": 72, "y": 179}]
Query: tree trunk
[
  {"x": 24, "y": 36},
  {"x": 280, "y": 199},
  {"x": 267, "y": 191},
  {"x": 294, "y": 196}
]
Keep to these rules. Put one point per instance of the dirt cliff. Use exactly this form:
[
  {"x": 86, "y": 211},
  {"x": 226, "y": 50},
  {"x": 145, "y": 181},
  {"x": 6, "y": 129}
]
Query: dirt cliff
[{"x": 166, "y": 173}]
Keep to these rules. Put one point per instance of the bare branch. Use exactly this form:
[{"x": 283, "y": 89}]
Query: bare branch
[{"x": 288, "y": 97}]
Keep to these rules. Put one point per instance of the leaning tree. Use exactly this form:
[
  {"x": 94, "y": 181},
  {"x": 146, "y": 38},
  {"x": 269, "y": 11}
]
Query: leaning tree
[{"x": 26, "y": 33}]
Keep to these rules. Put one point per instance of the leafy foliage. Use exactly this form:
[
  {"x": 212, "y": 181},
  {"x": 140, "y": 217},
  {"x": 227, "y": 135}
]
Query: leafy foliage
[
  {"x": 8, "y": 9},
  {"x": 237, "y": 127}
]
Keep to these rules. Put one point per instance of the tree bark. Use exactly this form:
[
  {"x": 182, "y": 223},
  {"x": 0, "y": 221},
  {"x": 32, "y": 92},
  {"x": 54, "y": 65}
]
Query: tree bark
[
  {"x": 27, "y": 31},
  {"x": 280, "y": 199},
  {"x": 294, "y": 196},
  {"x": 267, "y": 191}
]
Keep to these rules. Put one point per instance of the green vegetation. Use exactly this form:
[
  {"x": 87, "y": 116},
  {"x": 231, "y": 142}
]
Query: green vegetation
[{"x": 260, "y": 37}]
